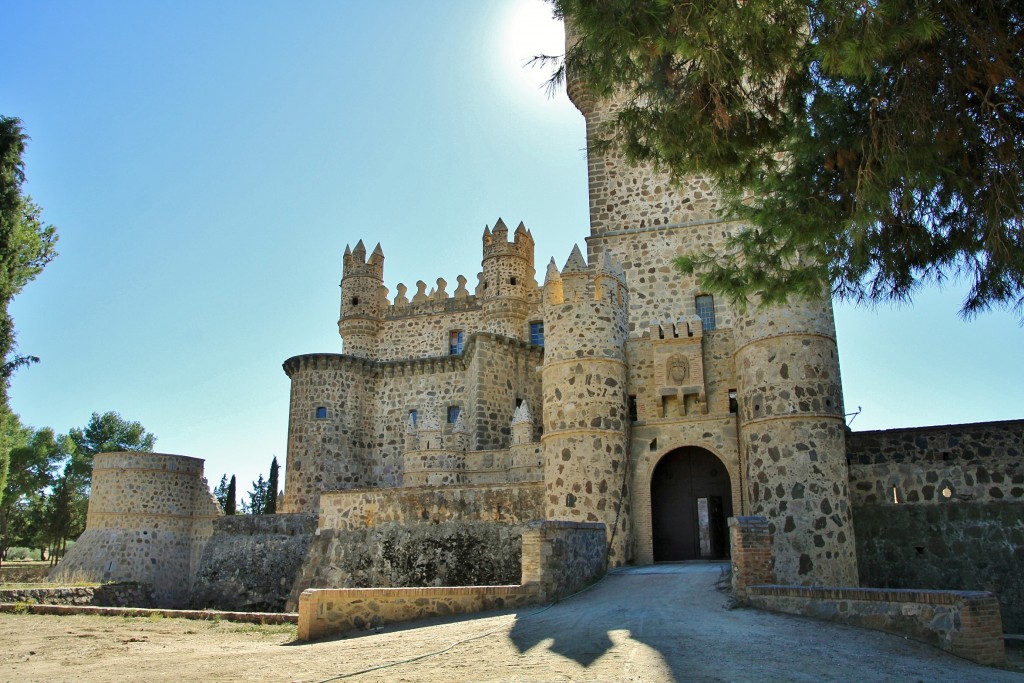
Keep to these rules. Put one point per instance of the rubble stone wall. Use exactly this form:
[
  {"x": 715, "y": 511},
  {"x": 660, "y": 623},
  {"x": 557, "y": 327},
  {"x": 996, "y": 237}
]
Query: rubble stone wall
[
  {"x": 942, "y": 508},
  {"x": 251, "y": 562}
]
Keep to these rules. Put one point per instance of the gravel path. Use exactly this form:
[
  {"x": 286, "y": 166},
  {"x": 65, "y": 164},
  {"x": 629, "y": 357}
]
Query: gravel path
[{"x": 661, "y": 623}]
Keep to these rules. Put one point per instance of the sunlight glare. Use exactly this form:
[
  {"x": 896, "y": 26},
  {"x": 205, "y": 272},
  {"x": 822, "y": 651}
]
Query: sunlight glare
[{"x": 530, "y": 30}]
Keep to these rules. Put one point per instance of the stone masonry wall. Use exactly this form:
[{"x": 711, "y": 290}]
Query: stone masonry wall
[
  {"x": 942, "y": 507},
  {"x": 980, "y": 463},
  {"x": 251, "y": 562},
  {"x": 502, "y": 503},
  {"x": 126, "y": 594},
  {"x": 361, "y": 441},
  {"x": 964, "y": 623},
  {"x": 146, "y": 513},
  {"x": 563, "y": 558}
]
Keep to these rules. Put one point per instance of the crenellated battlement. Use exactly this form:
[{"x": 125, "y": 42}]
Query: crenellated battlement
[
  {"x": 496, "y": 242},
  {"x": 579, "y": 281},
  {"x": 355, "y": 263}
]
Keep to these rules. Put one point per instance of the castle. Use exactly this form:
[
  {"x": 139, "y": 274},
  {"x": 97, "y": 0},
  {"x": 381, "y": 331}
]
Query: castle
[
  {"x": 629, "y": 395},
  {"x": 615, "y": 395}
]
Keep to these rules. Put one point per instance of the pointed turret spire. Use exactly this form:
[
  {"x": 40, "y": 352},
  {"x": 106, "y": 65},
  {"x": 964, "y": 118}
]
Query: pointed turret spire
[
  {"x": 522, "y": 414},
  {"x": 378, "y": 254},
  {"x": 359, "y": 252},
  {"x": 576, "y": 262},
  {"x": 502, "y": 229},
  {"x": 553, "y": 274}
]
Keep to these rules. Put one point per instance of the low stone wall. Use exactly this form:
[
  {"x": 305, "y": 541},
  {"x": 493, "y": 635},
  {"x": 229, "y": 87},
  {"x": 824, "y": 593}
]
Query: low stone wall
[
  {"x": 558, "y": 559},
  {"x": 110, "y": 595},
  {"x": 964, "y": 623},
  {"x": 361, "y": 508},
  {"x": 563, "y": 557},
  {"x": 417, "y": 555},
  {"x": 961, "y": 546},
  {"x": 251, "y": 562},
  {"x": 327, "y": 612},
  {"x": 262, "y": 618}
]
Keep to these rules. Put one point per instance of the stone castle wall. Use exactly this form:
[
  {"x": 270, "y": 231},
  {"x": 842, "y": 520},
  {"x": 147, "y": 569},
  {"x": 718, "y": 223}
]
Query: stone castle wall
[
  {"x": 251, "y": 562},
  {"x": 361, "y": 441},
  {"x": 911, "y": 534},
  {"x": 149, "y": 517}
]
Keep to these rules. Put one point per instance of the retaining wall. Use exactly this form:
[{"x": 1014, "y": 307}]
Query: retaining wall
[
  {"x": 964, "y": 623},
  {"x": 559, "y": 558},
  {"x": 252, "y": 561}
]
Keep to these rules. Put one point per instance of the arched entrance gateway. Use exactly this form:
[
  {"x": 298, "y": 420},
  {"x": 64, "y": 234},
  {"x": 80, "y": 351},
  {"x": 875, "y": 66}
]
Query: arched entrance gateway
[{"x": 691, "y": 501}]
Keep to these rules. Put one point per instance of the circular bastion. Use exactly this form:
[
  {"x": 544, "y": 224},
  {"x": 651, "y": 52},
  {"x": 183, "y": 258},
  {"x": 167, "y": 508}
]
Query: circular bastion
[{"x": 148, "y": 516}]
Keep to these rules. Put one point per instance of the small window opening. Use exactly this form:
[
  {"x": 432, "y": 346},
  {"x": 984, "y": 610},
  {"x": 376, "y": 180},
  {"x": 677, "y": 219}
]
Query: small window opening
[
  {"x": 519, "y": 402},
  {"x": 413, "y": 416},
  {"x": 512, "y": 281},
  {"x": 654, "y": 444},
  {"x": 734, "y": 405},
  {"x": 455, "y": 342},
  {"x": 355, "y": 301},
  {"x": 453, "y": 414},
  {"x": 895, "y": 496},
  {"x": 705, "y": 304},
  {"x": 321, "y": 413},
  {"x": 632, "y": 409}
]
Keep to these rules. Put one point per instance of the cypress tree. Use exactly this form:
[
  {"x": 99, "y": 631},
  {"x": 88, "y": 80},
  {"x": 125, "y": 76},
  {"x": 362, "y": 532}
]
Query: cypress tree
[
  {"x": 230, "y": 507},
  {"x": 271, "y": 503}
]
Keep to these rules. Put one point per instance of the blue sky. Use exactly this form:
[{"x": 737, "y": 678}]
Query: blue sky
[{"x": 206, "y": 163}]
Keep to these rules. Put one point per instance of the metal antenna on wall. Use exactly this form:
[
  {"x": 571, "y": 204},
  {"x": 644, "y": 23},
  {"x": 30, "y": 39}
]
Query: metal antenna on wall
[{"x": 850, "y": 421}]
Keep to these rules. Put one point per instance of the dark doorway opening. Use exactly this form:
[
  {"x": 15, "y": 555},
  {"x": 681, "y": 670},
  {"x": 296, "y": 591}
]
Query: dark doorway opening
[{"x": 691, "y": 502}]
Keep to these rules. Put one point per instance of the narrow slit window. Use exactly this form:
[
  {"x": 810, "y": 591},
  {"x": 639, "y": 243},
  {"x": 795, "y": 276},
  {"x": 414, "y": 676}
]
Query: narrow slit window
[{"x": 413, "y": 416}]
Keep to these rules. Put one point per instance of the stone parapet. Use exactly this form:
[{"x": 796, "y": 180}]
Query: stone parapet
[
  {"x": 964, "y": 623},
  {"x": 332, "y": 611}
]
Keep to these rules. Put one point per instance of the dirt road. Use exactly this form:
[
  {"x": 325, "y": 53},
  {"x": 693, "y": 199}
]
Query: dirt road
[{"x": 662, "y": 623}]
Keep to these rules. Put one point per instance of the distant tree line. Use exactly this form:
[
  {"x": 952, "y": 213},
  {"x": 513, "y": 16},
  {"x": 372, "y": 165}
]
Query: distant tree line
[{"x": 262, "y": 497}]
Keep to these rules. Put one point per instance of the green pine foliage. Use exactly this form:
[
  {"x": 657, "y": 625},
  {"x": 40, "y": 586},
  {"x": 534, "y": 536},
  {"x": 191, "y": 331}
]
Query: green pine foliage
[{"x": 869, "y": 147}]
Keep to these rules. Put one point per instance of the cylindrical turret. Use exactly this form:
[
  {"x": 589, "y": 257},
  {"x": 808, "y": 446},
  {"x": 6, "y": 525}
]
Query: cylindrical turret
[
  {"x": 585, "y": 412},
  {"x": 791, "y": 425},
  {"x": 363, "y": 301},
  {"x": 508, "y": 278}
]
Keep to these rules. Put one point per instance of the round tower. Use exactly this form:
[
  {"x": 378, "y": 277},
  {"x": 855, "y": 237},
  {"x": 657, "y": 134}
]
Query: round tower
[
  {"x": 793, "y": 432},
  {"x": 586, "y": 418},
  {"x": 363, "y": 301},
  {"x": 507, "y": 279}
]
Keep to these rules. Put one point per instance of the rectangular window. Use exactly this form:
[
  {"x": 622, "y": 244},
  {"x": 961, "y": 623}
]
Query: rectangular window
[
  {"x": 706, "y": 310},
  {"x": 412, "y": 417},
  {"x": 453, "y": 414},
  {"x": 321, "y": 413},
  {"x": 537, "y": 333},
  {"x": 455, "y": 342},
  {"x": 734, "y": 404},
  {"x": 632, "y": 408}
]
